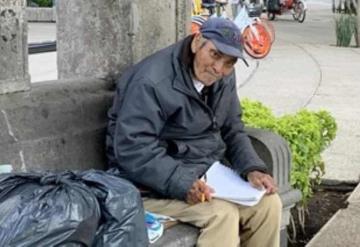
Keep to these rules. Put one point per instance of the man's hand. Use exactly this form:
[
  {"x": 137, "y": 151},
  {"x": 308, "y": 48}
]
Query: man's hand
[
  {"x": 262, "y": 180},
  {"x": 198, "y": 192}
]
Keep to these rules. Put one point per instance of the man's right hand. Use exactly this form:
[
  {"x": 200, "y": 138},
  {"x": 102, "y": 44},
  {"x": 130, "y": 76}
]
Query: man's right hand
[{"x": 199, "y": 191}]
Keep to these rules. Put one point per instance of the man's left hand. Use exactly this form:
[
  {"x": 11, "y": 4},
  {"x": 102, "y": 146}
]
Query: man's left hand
[{"x": 262, "y": 180}]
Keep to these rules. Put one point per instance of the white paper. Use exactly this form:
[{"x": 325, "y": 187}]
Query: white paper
[{"x": 231, "y": 187}]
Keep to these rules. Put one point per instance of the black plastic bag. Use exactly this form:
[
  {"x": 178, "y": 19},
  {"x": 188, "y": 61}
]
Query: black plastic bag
[
  {"x": 122, "y": 212},
  {"x": 91, "y": 208},
  {"x": 46, "y": 210}
]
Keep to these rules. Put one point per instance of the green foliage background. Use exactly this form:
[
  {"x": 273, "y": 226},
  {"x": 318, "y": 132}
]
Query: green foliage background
[
  {"x": 42, "y": 3},
  {"x": 308, "y": 134},
  {"x": 345, "y": 28}
]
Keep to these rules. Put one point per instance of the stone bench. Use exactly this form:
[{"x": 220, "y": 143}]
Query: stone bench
[{"x": 61, "y": 125}]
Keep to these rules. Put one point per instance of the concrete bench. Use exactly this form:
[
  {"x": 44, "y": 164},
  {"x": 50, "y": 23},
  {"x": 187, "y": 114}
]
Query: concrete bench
[{"x": 61, "y": 125}]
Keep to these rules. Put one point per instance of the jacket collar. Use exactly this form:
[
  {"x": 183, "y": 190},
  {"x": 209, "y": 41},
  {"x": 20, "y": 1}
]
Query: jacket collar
[{"x": 182, "y": 62}]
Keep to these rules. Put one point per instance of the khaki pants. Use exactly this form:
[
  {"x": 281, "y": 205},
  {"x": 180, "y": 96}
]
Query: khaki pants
[{"x": 227, "y": 224}]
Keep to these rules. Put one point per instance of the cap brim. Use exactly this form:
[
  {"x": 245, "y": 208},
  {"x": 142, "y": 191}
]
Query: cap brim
[{"x": 229, "y": 50}]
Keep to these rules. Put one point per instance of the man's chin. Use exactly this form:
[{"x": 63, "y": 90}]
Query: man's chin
[{"x": 209, "y": 82}]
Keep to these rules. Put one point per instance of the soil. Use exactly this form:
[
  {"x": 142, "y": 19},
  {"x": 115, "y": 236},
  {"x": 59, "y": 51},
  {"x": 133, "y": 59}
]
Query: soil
[{"x": 326, "y": 201}]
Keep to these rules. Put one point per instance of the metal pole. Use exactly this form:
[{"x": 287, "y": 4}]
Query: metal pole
[{"x": 357, "y": 29}]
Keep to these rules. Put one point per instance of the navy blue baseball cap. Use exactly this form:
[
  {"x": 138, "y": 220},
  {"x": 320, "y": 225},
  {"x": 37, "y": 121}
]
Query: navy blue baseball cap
[{"x": 225, "y": 35}]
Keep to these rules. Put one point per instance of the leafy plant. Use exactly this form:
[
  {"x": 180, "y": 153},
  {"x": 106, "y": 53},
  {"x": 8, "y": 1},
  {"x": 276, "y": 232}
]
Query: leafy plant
[
  {"x": 41, "y": 3},
  {"x": 308, "y": 134},
  {"x": 345, "y": 27}
]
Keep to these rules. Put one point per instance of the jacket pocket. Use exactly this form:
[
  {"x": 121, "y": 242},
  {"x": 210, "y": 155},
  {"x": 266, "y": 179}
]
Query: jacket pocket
[
  {"x": 176, "y": 147},
  {"x": 192, "y": 149}
]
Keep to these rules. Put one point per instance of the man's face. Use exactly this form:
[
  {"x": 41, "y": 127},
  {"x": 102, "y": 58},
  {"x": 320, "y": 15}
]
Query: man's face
[{"x": 210, "y": 64}]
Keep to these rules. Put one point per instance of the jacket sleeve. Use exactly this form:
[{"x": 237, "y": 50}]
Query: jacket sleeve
[
  {"x": 137, "y": 144},
  {"x": 240, "y": 152}
]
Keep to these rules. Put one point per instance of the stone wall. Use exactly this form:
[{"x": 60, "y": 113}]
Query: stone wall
[
  {"x": 55, "y": 126},
  {"x": 96, "y": 39},
  {"x": 14, "y": 75},
  {"x": 101, "y": 38}
]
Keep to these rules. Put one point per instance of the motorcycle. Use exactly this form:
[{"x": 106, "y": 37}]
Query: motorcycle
[{"x": 296, "y": 7}]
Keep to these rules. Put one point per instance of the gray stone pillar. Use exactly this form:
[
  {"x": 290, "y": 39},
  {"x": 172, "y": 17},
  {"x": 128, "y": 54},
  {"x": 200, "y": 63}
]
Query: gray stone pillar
[
  {"x": 183, "y": 14},
  {"x": 101, "y": 38},
  {"x": 14, "y": 75}
]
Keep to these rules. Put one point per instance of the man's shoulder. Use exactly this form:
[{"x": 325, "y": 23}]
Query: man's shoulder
[{"x": 158, "y": 66}]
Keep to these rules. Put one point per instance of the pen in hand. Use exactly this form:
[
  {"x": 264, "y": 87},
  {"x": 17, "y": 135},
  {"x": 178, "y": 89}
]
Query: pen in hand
[
  {"x": 203, "y": 194},
  {"x": 199, "y": 192},
  {"x": 202, "y": 197}
]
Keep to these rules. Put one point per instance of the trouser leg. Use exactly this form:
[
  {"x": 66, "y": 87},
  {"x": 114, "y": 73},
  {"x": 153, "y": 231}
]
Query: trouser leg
[
  {"x": 221, "y": 221},
  {"x": 260, "y": 224},
  {"x": 218, "y": 219}
]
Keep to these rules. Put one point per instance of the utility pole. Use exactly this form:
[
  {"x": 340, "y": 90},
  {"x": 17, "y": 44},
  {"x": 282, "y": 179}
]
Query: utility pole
[{"x": 357, "y": 30}]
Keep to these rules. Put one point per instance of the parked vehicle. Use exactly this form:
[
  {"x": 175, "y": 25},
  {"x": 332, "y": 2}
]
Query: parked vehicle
[
  {"x": 278, "y": 7},
  {"x": 258, "y": 35}
]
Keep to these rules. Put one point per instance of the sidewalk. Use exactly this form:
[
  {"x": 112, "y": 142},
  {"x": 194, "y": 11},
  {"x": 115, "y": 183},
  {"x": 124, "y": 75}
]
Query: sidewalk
[
  {"x": 316, "y": 77},
  {"x": 342, "y": 230},
  {"x": 42, "y": 66}
]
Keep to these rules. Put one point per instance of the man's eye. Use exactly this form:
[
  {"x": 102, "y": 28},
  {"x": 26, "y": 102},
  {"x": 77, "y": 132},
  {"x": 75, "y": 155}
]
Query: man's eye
[
  {"x": 229, "y": 64},
  {"x": 214, "y": 54}
]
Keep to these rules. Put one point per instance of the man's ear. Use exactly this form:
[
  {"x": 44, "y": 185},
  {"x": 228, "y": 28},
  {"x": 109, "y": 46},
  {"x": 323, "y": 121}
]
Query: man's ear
[{"x": 195, "y": 44}]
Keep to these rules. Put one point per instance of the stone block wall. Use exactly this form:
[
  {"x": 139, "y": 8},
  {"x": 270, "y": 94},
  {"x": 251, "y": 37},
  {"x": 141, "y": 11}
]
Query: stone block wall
[
  {"x": 96, "y": 39},
  {"x": 14, "y": 75},
  {"x": 101, "y": 38},
  {"x": 55, "y": 126}
]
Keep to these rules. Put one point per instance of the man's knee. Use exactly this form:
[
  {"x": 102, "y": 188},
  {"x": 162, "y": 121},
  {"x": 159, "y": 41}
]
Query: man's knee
[
  {"x": 222, "y": 226},
  {"x": 272, "y": 206},
  {"x": 273, "y": 201},
  {"x": 223, "y": 211}
]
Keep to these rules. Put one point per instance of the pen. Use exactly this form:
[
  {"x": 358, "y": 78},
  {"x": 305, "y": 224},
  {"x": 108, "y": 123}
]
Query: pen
[
  {"x": 203, "y": 194},
  {"x": 202, "y": 197}
]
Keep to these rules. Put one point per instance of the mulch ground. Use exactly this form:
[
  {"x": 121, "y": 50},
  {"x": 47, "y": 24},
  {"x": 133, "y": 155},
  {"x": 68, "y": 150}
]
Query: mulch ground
[{"x": 327, "y": 200}]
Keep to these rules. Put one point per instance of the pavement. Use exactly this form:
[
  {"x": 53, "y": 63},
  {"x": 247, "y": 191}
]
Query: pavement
[
  {"x": 342, "y": 230},
  {"x": 42, "y": 66},
  {"x": 303, "y": 69},
  {"x": 306, "y": 69}
]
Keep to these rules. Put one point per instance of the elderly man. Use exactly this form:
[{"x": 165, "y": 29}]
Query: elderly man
[{"x": 175, "y": 114}]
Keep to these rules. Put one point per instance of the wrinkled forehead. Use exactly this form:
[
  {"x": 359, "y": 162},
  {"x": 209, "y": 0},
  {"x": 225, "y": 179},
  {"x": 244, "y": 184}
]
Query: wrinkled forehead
[{"x": 211, "y": 47}]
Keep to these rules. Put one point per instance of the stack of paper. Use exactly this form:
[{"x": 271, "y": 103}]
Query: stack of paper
[{"x": 231, "y": 187}]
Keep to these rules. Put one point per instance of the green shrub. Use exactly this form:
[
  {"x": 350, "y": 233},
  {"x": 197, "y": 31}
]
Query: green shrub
[
  {"x": 345, "y": 27},
  {"x": 43, "y": 3},
  {"x": 258, "y": 115},
  {"x": 308, "y": 134}
]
